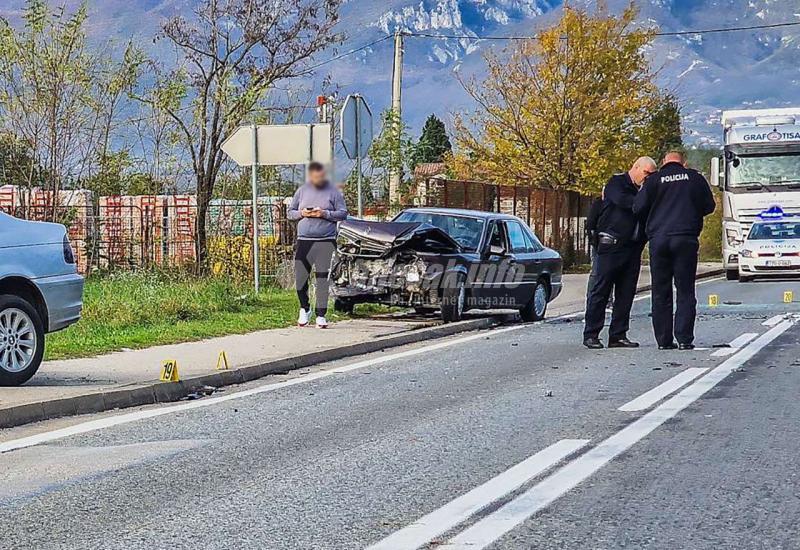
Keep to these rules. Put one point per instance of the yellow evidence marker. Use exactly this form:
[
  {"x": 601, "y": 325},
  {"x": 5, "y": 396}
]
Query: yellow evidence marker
[
  {"x": 713, "y": 300},
  {"x": 222, "y": 361},
  {"x": 788, "y": 297},
  {"x": 169, "y": 371}
]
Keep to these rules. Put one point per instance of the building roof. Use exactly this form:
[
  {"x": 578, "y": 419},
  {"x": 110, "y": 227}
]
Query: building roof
[{"x": 429, "y": 169}]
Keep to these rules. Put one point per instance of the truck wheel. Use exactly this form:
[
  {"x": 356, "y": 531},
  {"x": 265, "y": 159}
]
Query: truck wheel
[
  {"x": 21, "y": 340},
  {"x": 732, "y": 274},
  {"x": 343, "y": 306},
  {"x": 454, "y": 298},
  {"x": 536, "y": 308}
]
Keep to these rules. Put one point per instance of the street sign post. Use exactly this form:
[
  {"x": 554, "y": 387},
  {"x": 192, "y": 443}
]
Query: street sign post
[
  {"x": 272, "y": 145},
  {"x": 356, "y": 125}
]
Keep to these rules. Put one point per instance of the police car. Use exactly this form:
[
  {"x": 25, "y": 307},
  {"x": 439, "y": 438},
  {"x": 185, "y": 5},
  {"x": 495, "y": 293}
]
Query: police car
[{"x": 772, "y": 247}]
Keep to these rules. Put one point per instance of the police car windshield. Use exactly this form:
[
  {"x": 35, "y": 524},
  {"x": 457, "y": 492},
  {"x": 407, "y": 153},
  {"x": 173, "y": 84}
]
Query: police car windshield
[
  {"x": 765, "y": 170},
  {"x": 774, "y": 231},
  {"x": 464, "y": 230}
]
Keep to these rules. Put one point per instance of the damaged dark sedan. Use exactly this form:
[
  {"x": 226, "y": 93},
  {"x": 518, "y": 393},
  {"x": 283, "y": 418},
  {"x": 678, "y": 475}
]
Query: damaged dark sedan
[{"x": 447, "y": 259}]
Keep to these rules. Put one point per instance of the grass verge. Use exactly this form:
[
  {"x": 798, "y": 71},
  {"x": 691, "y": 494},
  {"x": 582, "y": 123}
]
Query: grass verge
[{"x": 139, "y": 310}]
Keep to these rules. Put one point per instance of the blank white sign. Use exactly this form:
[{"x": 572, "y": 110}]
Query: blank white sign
[{"x": 281, "y": 144}]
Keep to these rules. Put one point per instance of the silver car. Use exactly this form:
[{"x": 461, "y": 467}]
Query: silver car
[{"x": 40, "y": 292}]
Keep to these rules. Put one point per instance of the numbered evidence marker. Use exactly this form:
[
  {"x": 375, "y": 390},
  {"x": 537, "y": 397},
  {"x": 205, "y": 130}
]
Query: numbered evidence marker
[
  {"x": 713, "y": 300},
  {"x": 788, "y": 297},
  {"x": 222, "y": 361},
  {"x": 169, "y": 371}
]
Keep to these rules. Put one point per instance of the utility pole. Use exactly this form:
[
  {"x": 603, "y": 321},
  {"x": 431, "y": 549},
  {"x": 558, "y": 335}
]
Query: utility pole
[{"x": 397, "y": 88}]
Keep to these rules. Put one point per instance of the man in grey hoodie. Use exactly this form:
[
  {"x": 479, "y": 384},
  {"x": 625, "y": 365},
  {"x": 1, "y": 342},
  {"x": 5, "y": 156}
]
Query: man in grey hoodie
[{"x": 317, "y": 206}]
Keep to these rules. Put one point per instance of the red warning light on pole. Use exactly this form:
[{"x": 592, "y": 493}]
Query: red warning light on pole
[{"x": 321, "y": 100}]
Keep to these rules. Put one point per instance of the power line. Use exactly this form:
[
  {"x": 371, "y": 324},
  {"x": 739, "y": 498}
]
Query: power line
[
  {"x": 674, "y": 33},
  {"x": 349, "y": 52},
  {"x": 512, "y": 37}
]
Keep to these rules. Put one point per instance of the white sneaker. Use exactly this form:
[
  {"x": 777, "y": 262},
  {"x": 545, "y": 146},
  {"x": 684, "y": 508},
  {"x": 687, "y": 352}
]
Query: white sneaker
[
  {"x": 322, "y": 322},
  {"x": 302, "y": 319}
]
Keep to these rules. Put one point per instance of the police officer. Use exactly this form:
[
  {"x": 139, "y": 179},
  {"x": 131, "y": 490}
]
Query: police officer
[
  {"x": 618, "y": 258},
  {"x": 674, "y": 201}
]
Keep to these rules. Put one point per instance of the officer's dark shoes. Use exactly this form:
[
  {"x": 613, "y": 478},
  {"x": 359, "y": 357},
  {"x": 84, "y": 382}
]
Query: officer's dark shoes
[
  {"x": 622, "y": 343},
  {"x": 668, "y": 346},
  {"x": 593, "y": 343},
  {"x": 685, "y": 347}
]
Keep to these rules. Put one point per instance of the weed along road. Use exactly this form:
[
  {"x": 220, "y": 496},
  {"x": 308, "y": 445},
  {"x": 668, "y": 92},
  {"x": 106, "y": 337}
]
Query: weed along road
[{"x": 516, "y": 437}]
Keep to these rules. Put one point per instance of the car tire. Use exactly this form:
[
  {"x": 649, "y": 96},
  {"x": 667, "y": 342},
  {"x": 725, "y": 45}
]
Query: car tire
[
  {"x": 21, "y": 340},
  {"x": 732, "y": 274},
  {"x": 343, "y": 306},
  {"x": 454, "y": 298},
  {"x": 745, "y": 279},
  {"x": 536, "y": 308}
]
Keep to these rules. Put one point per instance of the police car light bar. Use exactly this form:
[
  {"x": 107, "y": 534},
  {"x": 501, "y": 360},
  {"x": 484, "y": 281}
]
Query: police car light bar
[
  {"x": 772, "y": 213},
  {"x": 775, "y": 213}
]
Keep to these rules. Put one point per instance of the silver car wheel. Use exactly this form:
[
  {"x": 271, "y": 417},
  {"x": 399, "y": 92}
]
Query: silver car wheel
[
  {"x": 17, "y": 340},
  {"x": 461, "y": 299},
  {"x": 540, "y": 300}
]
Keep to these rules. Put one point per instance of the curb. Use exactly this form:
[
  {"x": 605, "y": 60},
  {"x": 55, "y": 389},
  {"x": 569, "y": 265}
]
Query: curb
[{"x": 165, "y": 392}]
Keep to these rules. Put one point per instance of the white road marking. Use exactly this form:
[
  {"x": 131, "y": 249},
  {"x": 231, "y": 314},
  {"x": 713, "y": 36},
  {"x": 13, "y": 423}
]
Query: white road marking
[
  {"x": 428, "y": 527},
  {"x": 772, "y": 321},
  {"x": 650, "y": 398},
  {"x": 102, "y": 423},
  {"x": 492, "y": 527},
  {"x": 735, "y": 344}
]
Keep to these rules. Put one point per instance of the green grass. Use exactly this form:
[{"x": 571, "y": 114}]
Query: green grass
[{"x": 139, "y": 310}]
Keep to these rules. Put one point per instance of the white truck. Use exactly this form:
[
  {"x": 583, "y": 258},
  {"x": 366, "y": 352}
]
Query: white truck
[{"x": 760, "y": 169}]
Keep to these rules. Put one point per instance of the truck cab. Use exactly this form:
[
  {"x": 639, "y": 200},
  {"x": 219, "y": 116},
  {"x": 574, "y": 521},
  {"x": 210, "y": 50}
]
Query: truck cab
[{"x": 760, "y": 168}]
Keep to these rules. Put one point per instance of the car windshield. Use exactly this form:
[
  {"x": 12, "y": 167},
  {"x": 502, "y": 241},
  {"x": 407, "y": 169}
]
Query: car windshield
[
  {"x": 464, "y": 230},
  {"x": 765, "y": 170},
  {"x": 774, "y": 230}
]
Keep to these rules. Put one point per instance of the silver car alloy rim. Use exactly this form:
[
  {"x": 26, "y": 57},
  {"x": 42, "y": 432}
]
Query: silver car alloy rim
[
  {"x": 461, "y": 296},
  {"x": 539, "y": 299},
  {"x": 17, "y": 340}
]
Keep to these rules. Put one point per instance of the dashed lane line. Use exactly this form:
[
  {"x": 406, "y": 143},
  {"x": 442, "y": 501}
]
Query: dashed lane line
[
  {"x": 491, "y": 528},
  {"x": 650, "y": 398},
  {"x": 428, "y": 527}
]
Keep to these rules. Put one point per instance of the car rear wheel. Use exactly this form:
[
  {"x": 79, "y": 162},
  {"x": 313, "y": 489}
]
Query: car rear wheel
[
  {"x": 536, "y": 308},
  {"x": 21, "y": 340},
  {"x": 454, "y": 298}
]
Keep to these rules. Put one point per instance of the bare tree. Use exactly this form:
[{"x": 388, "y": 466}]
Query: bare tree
[
  {"x": 231, "y": 53},
  {"x": 58, "y": 96}
]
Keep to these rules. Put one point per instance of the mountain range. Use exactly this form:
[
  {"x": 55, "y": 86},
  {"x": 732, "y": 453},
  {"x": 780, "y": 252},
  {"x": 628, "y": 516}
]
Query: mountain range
[{"x": 708, "y": 72}]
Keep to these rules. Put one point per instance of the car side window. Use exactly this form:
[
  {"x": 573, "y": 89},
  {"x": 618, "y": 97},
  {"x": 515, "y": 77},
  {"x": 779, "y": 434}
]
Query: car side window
[
  {"x": 496, "y": 236},
  {"x": 517, "y": 238},
  {"x": 534, "y": 242}
]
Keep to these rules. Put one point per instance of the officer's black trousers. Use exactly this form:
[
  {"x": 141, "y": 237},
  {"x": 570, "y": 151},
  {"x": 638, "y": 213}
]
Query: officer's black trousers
[
  {"x": 674, "y": 259},
  {"x": 618, "y": 269}
]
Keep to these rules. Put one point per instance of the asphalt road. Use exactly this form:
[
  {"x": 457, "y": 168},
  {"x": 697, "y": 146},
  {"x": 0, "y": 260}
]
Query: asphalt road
[{"x": 512, "y": 438}]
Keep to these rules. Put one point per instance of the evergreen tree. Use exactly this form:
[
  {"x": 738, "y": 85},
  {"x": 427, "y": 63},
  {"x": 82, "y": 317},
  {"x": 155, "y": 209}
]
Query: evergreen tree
[{"x": 433, "y": 144}]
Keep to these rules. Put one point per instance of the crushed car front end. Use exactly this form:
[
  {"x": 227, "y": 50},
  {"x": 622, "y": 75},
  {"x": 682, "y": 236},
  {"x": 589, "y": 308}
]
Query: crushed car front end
[{"x": 391, "y": 263}]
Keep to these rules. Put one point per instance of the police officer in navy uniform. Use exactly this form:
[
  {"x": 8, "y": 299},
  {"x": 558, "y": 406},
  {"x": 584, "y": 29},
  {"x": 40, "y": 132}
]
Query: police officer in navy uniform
[
  {"x": 619, "y": 245},
  {"x": 674, "y": 202}
]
